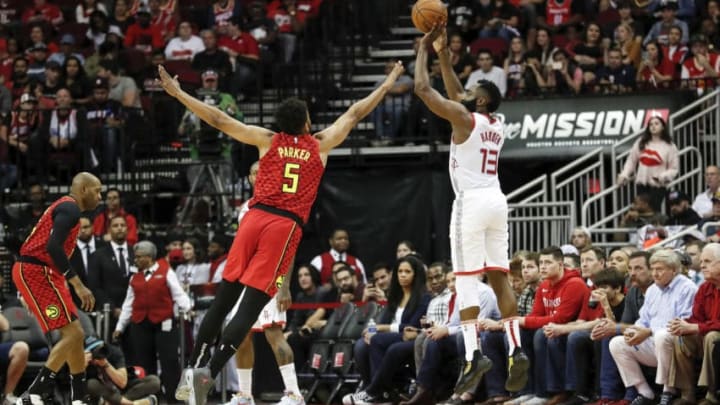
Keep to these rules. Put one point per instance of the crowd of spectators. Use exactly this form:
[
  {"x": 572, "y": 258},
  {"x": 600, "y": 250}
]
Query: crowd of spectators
[{"x": 79, "y": 79}]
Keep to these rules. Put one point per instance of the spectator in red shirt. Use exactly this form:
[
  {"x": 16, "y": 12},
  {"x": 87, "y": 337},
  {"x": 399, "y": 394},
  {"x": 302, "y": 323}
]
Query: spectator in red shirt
[
  {"x": 164, "y": 19},
  {"x": 243, "y": 51},
  {"x": 8, "y": 58},
  {"x": 38, "y": 35},
  {"x": 223, "y": 11},
  {"x": 43, "y": 12},
  {"x": 701, "y": 65},
  {"x": 654, "y": 69},
  {"x": 113, "y": 208},
  {"x": 290, "y": 22},
  {"x": 143, "y": 35}
]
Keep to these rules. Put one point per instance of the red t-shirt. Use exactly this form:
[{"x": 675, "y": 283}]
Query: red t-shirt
[
  {"x": 277, "y": 12},
  {"x": 144, "y": 39},
  {"x": 49, "y": 12},
  {"x": 243, "y": 44}
]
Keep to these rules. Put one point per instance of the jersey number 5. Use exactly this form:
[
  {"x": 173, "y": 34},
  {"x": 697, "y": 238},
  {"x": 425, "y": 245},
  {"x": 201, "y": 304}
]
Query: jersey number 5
[
  {"x": 291, "y": 174},
  {"x": 489, "y": 161}
]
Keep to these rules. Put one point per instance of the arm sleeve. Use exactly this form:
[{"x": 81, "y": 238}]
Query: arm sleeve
[
  {"x": 567, "y": 311},
  {"x": 178, "y": 294},
  {"x": 673, "y": 166},
  {"x": 631, "y": 162},
  {"x": 126, "y": 311},
  {"x": 65, "y": 216},
  {"x": 414, "y": 318}
]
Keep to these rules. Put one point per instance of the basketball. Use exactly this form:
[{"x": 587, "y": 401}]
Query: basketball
[{"x": 425, "y": 13}]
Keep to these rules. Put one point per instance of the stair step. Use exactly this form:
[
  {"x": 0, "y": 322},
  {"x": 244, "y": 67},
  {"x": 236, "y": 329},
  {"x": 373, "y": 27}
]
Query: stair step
[
  {"x": 392, "y": 53},
  {"x": 366, "y": 78},
  {"x": 405, "y": 31}
]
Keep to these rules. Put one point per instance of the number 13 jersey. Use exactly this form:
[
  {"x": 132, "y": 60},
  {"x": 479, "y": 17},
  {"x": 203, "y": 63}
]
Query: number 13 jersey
[
  {"x": 290, "y": 174},
  {"x": 474, "y": 163}
]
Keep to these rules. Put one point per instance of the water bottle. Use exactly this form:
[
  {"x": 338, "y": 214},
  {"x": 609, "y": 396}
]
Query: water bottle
[{"x": 371, "y": 328}]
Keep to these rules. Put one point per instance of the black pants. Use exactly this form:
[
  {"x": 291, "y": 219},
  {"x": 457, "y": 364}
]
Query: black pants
[
  {"x": 150, "y": 344},
  {"x": 656, "y": 194},
  {"x": 138, "y": 389}
]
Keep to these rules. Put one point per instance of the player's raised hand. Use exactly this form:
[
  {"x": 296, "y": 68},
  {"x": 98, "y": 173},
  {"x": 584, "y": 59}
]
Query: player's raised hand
[
  {"x": 441, "y": 42},
  {"x": 169, "y": 84},
  {"x": 433, "y": 34},
  {"x": 398, "y": 69}
]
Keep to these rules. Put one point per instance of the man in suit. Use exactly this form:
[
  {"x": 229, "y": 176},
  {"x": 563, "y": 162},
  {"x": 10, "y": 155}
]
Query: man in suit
[
  {"x": 87, "y": 244},
  {"x": 111, "y": 268}
]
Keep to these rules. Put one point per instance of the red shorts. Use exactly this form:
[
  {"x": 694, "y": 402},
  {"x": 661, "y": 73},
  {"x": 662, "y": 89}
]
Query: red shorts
[
  {"x": 263, "y": 251},
  {"x": 46, "y": 294}
]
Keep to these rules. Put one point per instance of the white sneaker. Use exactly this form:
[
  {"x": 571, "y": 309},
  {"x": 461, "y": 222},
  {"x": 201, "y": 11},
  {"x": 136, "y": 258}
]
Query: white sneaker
[
  {"x": 291, "y": 398},
  {"x": 241, "y": 399},
  {"x": 535, "y": 401},
  {"x": 363, "y": 398},
  {"x": 519, "y": 400},
  {"x": 34, "y": 400}
]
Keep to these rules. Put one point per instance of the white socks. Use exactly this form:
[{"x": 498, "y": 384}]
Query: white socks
[
  {"x": 290, "y": 378},
  {"x": 245, "y": 381},
  {"x": 512, "y": 333},
  {"x": 470, "y": 337}
]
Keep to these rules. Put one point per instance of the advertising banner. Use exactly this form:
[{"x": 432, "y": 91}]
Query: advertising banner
[{"x": 572, "y": 126}]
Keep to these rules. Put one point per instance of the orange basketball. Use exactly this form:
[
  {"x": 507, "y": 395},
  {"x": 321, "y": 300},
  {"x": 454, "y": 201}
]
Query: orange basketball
[{"x": 425, "y": 13}]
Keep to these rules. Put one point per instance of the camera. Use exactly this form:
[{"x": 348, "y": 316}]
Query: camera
[{"x": 100, "y": 353}]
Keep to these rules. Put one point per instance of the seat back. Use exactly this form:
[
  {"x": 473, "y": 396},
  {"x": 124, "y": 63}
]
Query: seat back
[
  {"x": 359, "y": 319},
  {"x": 337, "y": 321},
  {"x": 24, "y": 327}
]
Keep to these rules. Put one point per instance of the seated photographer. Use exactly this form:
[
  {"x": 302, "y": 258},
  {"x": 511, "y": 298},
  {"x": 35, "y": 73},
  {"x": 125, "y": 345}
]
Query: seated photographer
[{"x": 109, "y": 379}]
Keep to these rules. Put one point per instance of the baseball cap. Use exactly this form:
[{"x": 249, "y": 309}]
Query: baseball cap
[
  {"x": 101, "y": 83},
  {"x": 569, "y": 250},
  {"x": 67, "y": 39},
  {"x": 668, "y": 4},
  {"x": 677, "y": 196},
  {"x": 27, "y": 98},
  {"x": 698, "y": 38},
  {"x": 209, "y": 74},
  {"x": 114, "y": 29},
  {"x": 716, "y": 197}
]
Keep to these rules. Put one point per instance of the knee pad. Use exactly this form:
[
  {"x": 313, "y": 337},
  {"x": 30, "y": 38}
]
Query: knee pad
[{"x": 468, "y": 291}]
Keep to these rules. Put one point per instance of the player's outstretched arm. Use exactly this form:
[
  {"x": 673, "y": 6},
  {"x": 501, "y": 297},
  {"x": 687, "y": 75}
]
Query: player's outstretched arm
[
  {"x": 248, "y": 134},
  {"x": 451, "y": 81},
  {"x": 450, "y": 110},
  {"x": 335, "y": 134}
]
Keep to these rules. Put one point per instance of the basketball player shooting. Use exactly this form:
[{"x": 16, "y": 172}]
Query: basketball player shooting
[
  {"x": 478, "y": 224},
  {"x": 292, "y": 163},
  {"x": 40, "y": 274}
]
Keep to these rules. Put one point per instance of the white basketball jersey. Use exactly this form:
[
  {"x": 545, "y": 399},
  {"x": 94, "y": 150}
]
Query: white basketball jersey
[{"x": 474, "y": 163}]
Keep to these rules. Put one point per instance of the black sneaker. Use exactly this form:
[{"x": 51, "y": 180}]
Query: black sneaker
[
  {"x": 576, "y": 400},
  {"x": 667, "y": 398},
  {"x": 518, "y": 365},
  {"x": 641, "y": 400},
  {"x": 472, "y": 372}
]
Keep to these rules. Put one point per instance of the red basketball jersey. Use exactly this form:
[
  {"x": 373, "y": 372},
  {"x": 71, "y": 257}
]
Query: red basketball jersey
[
  {"x": 36, "y": 244},
  {"x": 289, "y": 174}
]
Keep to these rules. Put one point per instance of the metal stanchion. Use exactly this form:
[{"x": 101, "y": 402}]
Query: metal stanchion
[
  {"x": 183, "y": 316},
  {"x": 98, "y": 323},
  {"x": 106, "y": 322}
]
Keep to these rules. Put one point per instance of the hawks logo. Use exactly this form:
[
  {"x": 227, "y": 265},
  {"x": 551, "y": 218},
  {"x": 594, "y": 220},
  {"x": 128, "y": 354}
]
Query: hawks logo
[
  {"x": 52, "y": 311},
  {"x": 279, "y": 281}
]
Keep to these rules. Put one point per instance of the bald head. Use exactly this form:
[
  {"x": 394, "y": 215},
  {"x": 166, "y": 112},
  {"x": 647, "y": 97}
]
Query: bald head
[
  {"x": 85, "y": 189},
  {"x": 712, "y": 178}
]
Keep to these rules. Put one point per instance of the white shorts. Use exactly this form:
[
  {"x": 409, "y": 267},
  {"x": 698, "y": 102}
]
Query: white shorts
[
  {"x": 479, "y": 232},
  {"x": 269, "y": 316}
]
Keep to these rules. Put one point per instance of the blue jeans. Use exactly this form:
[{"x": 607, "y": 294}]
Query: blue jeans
[
  {"x": 549, "y": 363},
  {"x": 8, "y": 176},
  {"x": 494, "y": 345},
  {"x": 611, "y": 385},
  {"x": 581, "y": 362},
  {"x": 386, "y": 119}
]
